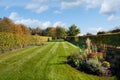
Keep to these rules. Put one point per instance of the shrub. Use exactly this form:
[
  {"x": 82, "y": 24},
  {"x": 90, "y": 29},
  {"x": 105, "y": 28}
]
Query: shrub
[
  {"x": 101, "y": 56},
  {"x": 108, "y": 39},
  {"x": 95, "y": 58},
  {"x": 91, "y": 66},
  {"x": 106, "y": 64},
  {"x": 9, "y": 41},
  {"x": 76, "y": 58}
]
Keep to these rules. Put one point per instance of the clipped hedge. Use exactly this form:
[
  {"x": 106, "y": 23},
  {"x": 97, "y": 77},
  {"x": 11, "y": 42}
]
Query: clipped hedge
[
  {"x": 9, "y": 41},
  {"x": 108, "y": 39},
  {"x": 38, "y": 40}
]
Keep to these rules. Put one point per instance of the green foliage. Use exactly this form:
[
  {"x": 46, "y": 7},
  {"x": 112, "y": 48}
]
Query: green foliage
[
  {"x": 116, "y": 30},
  {"x": 91, "y": 66},
  {"x": 10, "y": 41},
  {"x": 6, "y": 25},
  {"x": 101, "y": 32},
  {"x": 49, "y": 31},
  {"x": 57, "y": 40},
  {"x": 7, "y": 41},
  {"x": 95, "y": 58},
  {"x": 60, "y": 33},
  {"x": 90, "y": 62},
  {"x": 100, "y": 56},
  {"x": 108, "y": 39},
  {"x": 89, "y": 34},
  {"x": 106, "y": 64},
  {"x": 17, "y": 35},
  {"x": 37, "y": 31},
  {"x": 94, "y": 49},
  {"x": 55, "y": 32},
  {"x": 73, "y": 30}
]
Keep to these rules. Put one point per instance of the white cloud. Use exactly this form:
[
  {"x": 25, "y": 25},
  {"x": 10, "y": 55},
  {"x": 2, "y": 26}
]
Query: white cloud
[
  {"x": 77, "y": 3},
  {"x": 80, "y": 34},
  {"x": 14, "y": 16},
  {"x": 57, "y": 12},
  {"x": 38, "y": 6},
  {"x": 92, "y": 3},
  {"x": 46, "y": 24},
  {"x": 113, "y": 18},
  {"x": 95, "y": 29},
  {"x": 59, "y": 23},
  {"x": 71, "y": 4},
  {"x": 33, "y": 22},
  {"x": 29, "y": 22},
  {"x": 107, "y": 7},
  {"x": 110, "y": 7}
]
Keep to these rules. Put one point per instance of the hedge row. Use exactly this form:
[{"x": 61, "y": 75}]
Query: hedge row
[
  {"x": 108, "y": 39},
  {"x": 9, "y": 41}
]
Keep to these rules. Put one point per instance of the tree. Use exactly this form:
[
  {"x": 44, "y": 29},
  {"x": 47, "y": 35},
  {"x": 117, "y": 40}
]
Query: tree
[
  {"x": 89, "y": 34},
  {"x": 37, "y": 31},
  {"x": 60, "y": 33},
  {"x": 101, "y": 32},
  {"x": 25, "y": 29},
  {"x": 116, "y": 30},
  {"x": 73, "y": 30},
  {"x": 48, "y": 31},
  {"x": 6, "y": 25}
]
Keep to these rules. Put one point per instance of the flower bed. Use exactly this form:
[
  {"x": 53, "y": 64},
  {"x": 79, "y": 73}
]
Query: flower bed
[{"x": 91, "y": 61}]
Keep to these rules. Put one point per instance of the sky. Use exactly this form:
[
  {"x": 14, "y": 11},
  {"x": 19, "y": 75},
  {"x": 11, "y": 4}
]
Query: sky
[{"x": 89, "y": 15}]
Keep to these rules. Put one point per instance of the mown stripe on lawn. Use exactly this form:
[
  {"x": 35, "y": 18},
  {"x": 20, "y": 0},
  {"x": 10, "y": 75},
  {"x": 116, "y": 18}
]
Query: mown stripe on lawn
[
  {"x": 66, "y": 52},
  {"x": 29, "y": 72},
  {"x": 15, "y": 66},
  {"x": 6, "y": 56},
  {"x": 31, "y": 54},
  {"x": 51, "y": 69},
  {"x": 55, "y": 66},
  {"x": 44, "y": 62},
  {"x": 19, "y": 56}
]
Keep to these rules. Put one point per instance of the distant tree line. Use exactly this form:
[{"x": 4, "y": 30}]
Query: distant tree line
[
  {"x": 57, "y": 32},
  {"x": 116, "y": 30}
]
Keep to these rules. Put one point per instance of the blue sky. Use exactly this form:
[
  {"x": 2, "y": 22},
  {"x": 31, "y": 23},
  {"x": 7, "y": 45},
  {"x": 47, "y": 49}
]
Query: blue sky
[{"x": 89, "y": 15}]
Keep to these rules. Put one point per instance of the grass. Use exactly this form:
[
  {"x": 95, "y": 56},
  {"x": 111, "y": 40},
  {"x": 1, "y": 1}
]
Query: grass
[{"x": 46, "y": 62}]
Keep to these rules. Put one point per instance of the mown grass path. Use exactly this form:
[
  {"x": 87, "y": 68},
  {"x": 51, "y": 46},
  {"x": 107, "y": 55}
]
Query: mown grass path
[{"x": 42, "y": 63}]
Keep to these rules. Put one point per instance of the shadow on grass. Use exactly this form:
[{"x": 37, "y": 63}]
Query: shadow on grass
[
  {"x": 60, "y": 63},
  {"x": 78, "y": 44}
]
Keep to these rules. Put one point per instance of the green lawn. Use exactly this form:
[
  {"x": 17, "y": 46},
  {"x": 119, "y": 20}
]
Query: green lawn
[{"x": 42, "y": 63}]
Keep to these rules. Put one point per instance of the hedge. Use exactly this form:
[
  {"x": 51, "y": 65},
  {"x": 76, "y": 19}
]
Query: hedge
[
  {"x": 108, "y": 39},
  {"x": 9, "y": 41}
]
